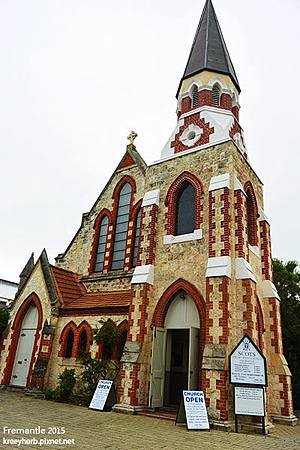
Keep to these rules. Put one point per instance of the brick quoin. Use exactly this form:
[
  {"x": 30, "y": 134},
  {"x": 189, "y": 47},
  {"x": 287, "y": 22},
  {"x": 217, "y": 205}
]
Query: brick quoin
[
  {"x": 150, "y": 257},
  {"x": 248, "y": 315},
  {"x": 275, "y": 325},
  {"x": 143, "y": 308},
  {"x": 265, "y": 247},
  {"x": 222, "y": 402},
  {"x": 209, "y": 307},
  {"x": 225, "y": 238},
  {"x": 135, "y": 384},
  {"x": 285, "y": 395},
  {"x": 224, "y": 305},
  {"x": 211, "y": 225}
]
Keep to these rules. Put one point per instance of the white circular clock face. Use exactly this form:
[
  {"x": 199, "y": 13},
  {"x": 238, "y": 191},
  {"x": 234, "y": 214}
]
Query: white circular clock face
[{"x": 191, "y": 135}]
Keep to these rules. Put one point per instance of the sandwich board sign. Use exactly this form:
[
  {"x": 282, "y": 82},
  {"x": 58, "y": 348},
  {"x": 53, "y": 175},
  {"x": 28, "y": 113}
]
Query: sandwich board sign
[
  {"x": 192, "y": 411},
  {"x": 247, "y": 364},
  {"x": 104, "y": 396}
]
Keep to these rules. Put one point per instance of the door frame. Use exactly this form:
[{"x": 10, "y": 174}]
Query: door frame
[{"x": 15, "y": 334}]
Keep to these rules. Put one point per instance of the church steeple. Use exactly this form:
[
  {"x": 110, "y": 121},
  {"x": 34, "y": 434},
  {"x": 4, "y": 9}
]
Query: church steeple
[{"x": 209, "y": 51}]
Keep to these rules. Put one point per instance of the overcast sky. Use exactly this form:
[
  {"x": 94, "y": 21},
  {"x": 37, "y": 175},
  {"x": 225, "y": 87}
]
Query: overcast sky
[{"x": 77, "y": 75}]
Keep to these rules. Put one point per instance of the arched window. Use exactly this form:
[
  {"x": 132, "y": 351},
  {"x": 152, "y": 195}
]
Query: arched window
[
  {"x": 83, "y": 340},
  {"x": 185, "y": 210},
  {"x": 101, "y": 244},
  {"x": 195, "y": 96},
  {"x": 137, "y": 233},
  {"x": 69, "y": 344},
  {"x": 252, "y": 214},
  {"x": 216, "y": 92},
  {"x": 121, "y": 227}
]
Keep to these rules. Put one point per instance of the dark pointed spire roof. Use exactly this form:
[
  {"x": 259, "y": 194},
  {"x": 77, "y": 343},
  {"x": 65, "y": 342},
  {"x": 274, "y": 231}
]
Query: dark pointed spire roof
[{"x": 209, "y": 51}]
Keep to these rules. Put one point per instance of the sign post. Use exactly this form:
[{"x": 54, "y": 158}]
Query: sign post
[
  {"x": 104, "y": 396},
  {"x": 192, "y": 411},
  {"x": 248, "y": 374}
]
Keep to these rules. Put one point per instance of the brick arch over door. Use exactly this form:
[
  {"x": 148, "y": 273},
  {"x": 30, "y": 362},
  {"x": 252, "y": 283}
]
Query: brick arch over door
[
  {"x": 166, "y": 299},
  {"x": 32, "y": 299},
  {"x": 171, "y": 200}
]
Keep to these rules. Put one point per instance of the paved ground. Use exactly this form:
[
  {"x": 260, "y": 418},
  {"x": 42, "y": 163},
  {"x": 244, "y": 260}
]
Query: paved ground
[{"x": 95, "y": 430}]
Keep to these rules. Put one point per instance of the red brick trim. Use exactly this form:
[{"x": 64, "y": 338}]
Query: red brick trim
[
  {"x": 83, "y": 326},
  {"x": 63, "y": 339},
  {"x": 252, "y": 214},
  {"x": 225, "y": 211},
  {"x": 285, "y": 395},
  {"x": 248, "y": 315},
  {"x": 275, "y": 327},
  {"x": 171, "y": 200},
  {"x": 260, "y": 327},
  {"x": 211, "y": 225},
  {"x": 133, "y": 216},
  {"x": 266, "y": 254},
  {"x": 164, "y": 303},
  {"x": 239, "y": 205},
  {"x": 125, "y": 179},
  {"x": 222, "y": 387},
  {"x": 16, "y": 328},
  {"x": 97, "y": 223},
  {"x": 193, "y": 119},
  {"x": 224, "y": 307}
]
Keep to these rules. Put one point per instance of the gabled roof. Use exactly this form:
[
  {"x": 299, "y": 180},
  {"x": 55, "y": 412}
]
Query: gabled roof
[
  {"x": 73, "y": 295},
  {"x": 209, "y": 51}
]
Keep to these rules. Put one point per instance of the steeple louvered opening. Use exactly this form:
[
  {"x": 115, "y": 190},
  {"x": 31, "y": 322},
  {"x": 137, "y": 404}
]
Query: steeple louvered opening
[{"x": 216, "y": 95}]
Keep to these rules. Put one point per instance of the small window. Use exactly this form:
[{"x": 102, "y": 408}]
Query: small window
[
  {"x": 185, "y": 210},
  {"x": 216, "y": 92},
  {"x": 195, "y": 96},
  {"x": 121, "y": 227},
  {"x": 82, "y": 343},
  {"x": 136, "y": 238},
  {"x": 101, "y": 244},
  {"x": 69, "y": 344}
]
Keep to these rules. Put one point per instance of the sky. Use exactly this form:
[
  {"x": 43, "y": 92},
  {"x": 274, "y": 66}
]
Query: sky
[{"x": 76, "y": 76}]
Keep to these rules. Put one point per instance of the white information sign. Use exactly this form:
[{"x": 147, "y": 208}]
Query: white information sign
[
  {"x": 101, "y": 394},
  {"x": 247, "y": 364},
  {"x": 249, "y": 401},
  {"x": 195, "y": 410}
]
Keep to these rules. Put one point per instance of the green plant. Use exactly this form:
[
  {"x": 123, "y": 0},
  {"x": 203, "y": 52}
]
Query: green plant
[
  {"x": 67, "y": 381},
  {"x": 4, "y": 316},
  {"x": 109, "y": 334},
  {"x": 93, "y": 371}
]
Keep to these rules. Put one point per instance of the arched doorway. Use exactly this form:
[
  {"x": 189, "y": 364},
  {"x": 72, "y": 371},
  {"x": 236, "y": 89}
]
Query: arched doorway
[
  {"x": 24, "y": 350},
  {"x": 178, "y": 340}
]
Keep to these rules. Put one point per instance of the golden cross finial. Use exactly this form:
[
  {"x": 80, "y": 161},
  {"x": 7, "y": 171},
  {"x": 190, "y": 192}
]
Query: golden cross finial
[{"x": 132, "y": 136}]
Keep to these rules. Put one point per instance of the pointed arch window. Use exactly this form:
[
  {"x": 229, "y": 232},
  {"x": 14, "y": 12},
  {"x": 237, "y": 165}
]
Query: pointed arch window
[
  {"x": 195, "y": 96},
  {"x": 185, "y": 210},
  {"x": 121, "y": 227},
  {"x": 83, "y": 341},
  {"x": 216, "y": 94},
  {"x": 137, "y": 231},
  {"x": 252, "y": 214},
  {"x": 101, "y": 244},
  {"x": 69, "y": 344}
]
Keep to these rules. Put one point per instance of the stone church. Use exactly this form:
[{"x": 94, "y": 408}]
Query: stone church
[{"x": 176, "y": 253}]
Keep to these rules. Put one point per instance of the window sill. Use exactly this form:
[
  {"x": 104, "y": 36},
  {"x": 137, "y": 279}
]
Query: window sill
[
  {"x": 254, "y": 249},
  {"x": 195, "y": 236}
]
